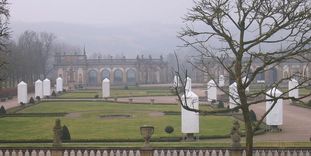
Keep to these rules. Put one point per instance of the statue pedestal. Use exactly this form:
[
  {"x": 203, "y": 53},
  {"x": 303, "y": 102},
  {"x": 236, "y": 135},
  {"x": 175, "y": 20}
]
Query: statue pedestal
[
  {"x": 146, "y": 151},
  {"x": 56, "y": 152},
  {"x": 235, "y": 152}
]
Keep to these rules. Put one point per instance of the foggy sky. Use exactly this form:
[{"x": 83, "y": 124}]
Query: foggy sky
[{"x": 108, "y": 26}]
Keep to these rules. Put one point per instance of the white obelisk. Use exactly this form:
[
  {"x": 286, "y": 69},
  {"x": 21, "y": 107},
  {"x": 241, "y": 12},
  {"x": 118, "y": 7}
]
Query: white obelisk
[
  {"x": 46, "y": 87},
  {"x": 293, "y": 89},
  {"x": 22, "y": 95},
  {"x": 59, "y": 84},
  {"x": 106, "y": 88},
  {"x": 39, "y": 89},
  {"x": 211, "y": 90}
]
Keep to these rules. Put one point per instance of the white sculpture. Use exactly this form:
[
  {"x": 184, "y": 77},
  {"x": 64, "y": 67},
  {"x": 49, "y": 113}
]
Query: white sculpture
[
  {"x": 59, "y": 84},
  {"x": 211, "y": 90},
  {"x": 39, "y": 89},
  {"x": 46, "y": 87},
  {"x": 275, "y": 116},
  {"x": 221, "y": 81},
  {"x": 293, "y": 89},
  {"x": 190, "y": 119},
  {"x": 176, "y": 81},
  {"x": 22, "y": 95},
  {"x": 106, "y": 88},
  {"x": 234, "y": 96}
]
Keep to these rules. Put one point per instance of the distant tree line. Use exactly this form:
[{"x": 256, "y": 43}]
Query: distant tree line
[{"x": 31, "y": 57}]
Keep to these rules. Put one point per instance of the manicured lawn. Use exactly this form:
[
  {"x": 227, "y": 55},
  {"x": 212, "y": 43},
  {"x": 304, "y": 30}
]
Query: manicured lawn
[
  {"x": 120, "y": 92},
  {"x": 84, "y": 121}
]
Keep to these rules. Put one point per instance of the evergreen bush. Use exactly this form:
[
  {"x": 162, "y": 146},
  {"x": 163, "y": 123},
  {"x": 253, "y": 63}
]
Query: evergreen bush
[
  {"x": 221, "y": 104},
  {"x": 31, "y": 100},
  {"x": 38, "y": 98},
  {"x": 53, "y": 93},
  {"x": 169, "y": 129},
  {"x": 2, "y": 110},
  {"x": 65, "y": 134}
]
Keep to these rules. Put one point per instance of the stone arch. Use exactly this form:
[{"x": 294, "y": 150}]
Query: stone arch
[
  {"x": 118, "y": 76},
  {"x": 273, "y": 75},
  {"x": 80, "y": 76},
  {"x": 92, "y": 77},
  {"x": 260, "y": 77},
  {"x": 131, "y": 75},
  {"x": 105, "y": 73}
]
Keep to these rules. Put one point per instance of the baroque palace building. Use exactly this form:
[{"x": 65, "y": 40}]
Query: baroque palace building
[
  {"x": 78, "y": 70},
  {"x": 272, "y": 74}
]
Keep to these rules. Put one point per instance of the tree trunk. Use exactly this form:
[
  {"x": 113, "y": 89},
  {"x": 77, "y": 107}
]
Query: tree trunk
[{"x": 249, "y": 132}]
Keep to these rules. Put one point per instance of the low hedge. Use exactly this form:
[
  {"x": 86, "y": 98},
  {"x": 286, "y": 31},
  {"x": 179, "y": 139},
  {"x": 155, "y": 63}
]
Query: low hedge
[{"x": 61, "y": 114}]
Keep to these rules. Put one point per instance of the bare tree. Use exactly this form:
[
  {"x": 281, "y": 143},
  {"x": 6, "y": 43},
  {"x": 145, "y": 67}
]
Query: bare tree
[
  {"x": 248, "y": 38},
  {"x": 4, "y": 35}
]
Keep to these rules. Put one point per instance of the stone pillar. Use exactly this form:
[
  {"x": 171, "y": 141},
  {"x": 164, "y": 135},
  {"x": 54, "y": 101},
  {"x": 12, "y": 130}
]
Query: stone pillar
[{"x": 38, "y": 89}]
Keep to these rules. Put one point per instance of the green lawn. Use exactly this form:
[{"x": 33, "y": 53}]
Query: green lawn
[
  {"x": 85, "y": 122},
  {"x": 120, "y": 92}
]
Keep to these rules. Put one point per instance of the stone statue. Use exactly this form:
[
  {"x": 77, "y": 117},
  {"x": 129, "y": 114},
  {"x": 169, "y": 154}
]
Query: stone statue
[
  {"x": 57, "y": 131},
  {"x": 235, "y": 134}
]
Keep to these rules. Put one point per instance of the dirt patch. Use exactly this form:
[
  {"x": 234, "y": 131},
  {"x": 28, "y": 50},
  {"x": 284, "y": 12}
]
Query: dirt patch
[
  {"x": 73, "y": 115},
  {"x": 156, "y": 114},
  {"x": 115, "y": 116}
]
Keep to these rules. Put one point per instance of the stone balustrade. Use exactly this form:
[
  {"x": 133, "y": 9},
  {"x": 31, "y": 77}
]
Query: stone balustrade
[{"x": 155, "y": 151}]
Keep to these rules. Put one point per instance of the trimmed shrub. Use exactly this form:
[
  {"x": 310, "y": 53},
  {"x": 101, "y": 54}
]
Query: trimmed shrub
[
  {"x": 126, "y": 87},
  {"x": 53, "y": 93},
  {"x": 221, "y": 104},
  {"x": 64, "y": 90},
  {"x": 38, "y": 98},
  {"x": 169, "y": 129},
  {"x": 65, "y": 134},
  {"x": 213, "y": 101},
  {"x": 22, "y": 103},
  {"x": 96, "y": 96},
  {"x": 2, "y": 110},
  {"x": 31, "y": 100},
  {"x": 252, "y": 116}
]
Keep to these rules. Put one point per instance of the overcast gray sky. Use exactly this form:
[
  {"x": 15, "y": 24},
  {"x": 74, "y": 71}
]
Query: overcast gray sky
[
  {"x": 109, "y": 26},
  {"x": 99, "y": 11}
]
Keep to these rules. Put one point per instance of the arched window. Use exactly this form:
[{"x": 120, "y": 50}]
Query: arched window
[
  {"x": 118, "y": 75},
  {"x": 92, "y": 77},
  {"x": 131, "y": 76},
  {"x": 105, "y": 74}
]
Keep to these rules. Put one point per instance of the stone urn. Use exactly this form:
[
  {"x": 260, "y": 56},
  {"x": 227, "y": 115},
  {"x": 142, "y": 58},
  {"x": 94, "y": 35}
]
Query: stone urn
[{"x": 146, "y": 132}]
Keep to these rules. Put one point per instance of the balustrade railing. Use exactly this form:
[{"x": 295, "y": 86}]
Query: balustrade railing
[{"x": 155, "y": 152}]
